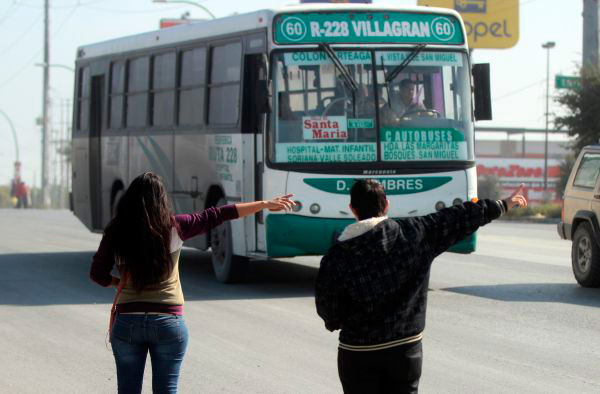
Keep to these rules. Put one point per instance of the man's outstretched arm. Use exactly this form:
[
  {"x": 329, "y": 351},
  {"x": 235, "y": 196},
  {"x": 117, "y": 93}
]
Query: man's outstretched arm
[{"x": 442, "y": 229}]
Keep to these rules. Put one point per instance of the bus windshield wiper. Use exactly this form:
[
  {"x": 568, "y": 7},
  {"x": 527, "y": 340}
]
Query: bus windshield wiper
[
  {"x": 386, "y": 84},
  {"x": 340, "y": 67},
  {"x": 394, "y": 73}
]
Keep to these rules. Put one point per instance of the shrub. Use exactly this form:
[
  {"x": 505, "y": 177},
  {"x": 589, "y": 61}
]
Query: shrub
[{"x": 544, "y": 211}]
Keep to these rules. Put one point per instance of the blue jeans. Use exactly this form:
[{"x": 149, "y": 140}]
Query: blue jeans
[{"x": 164, "y": 336}]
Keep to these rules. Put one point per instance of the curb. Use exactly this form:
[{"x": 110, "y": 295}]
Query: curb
[{"x": 530, "y": 219}]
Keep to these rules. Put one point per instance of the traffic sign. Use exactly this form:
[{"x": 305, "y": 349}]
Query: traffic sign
[{"x": 563, "y": 82}]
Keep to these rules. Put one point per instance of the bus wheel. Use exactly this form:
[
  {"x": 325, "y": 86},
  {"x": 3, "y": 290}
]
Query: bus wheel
[{"x": 228, "y": 267}]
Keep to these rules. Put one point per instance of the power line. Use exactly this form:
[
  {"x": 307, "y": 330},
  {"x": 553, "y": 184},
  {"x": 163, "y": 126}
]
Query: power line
[
  {"x": 146, "y": 11},
  {"x": 90, "y": 5},
  {"x": 64, "y": 22},
  {"x": 31, "y": 60},
  {"x": 23, "y": 34},
  {"x": 21, "y": 70},
  {"x": 10, "y": 9},
  {"x": 560, "y": 72},
  {"x": 518, "y": 90},
  {"x": 77, "y": 4}
]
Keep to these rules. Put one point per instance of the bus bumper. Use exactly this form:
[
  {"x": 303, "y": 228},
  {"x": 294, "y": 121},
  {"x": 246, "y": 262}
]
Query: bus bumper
[
  {"x": 467, "y": 245},
  {"x": 294, "y": 235}
]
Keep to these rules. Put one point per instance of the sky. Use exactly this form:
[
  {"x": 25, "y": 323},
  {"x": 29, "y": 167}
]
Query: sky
[{"x": 518, "y": 74}]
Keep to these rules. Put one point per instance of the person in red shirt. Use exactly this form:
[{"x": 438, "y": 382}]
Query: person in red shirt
[{"x": 19, "y": 191}]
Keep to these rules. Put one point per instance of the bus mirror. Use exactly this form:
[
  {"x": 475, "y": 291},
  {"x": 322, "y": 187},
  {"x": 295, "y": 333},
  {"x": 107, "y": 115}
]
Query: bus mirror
[
  {"x": 263, "y": 97},
  {"x": 481, "y": 90}
]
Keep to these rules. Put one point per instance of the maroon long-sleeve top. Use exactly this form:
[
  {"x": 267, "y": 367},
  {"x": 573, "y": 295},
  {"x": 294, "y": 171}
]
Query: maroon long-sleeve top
[{"x": 189, "y": 225}]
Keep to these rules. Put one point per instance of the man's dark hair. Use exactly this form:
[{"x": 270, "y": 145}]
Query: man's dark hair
[
  {"x": 367, "y": 197},
  {"x": 405, "y": 82}
]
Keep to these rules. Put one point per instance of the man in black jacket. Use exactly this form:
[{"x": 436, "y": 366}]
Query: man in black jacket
[{"x": 372, "y": 285}]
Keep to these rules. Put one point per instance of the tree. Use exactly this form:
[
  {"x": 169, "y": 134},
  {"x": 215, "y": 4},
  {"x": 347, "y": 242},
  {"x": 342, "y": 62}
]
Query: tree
[
  {"x": 565, "y": 171},
  {"x": 582, "y": 119}
]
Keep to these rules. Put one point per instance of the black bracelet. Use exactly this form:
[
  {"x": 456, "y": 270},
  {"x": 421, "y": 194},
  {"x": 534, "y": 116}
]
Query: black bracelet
[{"x": 505, "y": 204}]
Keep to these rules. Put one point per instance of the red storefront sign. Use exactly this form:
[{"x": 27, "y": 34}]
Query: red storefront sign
[{"x": 513, "y": 171}]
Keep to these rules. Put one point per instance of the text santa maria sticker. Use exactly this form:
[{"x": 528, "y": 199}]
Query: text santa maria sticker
[
  {"x": 324, "y": 128},
  {"x": 400, "y": 144},
  {"x": 367, "y": 27}
]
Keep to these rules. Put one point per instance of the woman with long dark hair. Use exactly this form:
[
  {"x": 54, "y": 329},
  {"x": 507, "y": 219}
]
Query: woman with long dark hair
[{"x": 144, "y": 240}]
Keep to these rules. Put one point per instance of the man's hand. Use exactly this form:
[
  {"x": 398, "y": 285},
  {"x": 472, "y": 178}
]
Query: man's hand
[
  {"x": 517, "y": 199},
  {"x": 280, "y": 203}
]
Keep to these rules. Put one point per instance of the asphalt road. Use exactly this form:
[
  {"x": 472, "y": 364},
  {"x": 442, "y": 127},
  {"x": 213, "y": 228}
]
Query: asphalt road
[{"x": 506, "y": 319}]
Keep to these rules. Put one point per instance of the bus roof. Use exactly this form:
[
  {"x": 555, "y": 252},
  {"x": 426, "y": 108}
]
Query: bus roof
[{"x": 227, "y": 25}]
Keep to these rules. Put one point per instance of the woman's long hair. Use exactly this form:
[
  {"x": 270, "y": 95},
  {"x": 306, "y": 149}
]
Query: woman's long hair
[{"x": 140, "y": 232}]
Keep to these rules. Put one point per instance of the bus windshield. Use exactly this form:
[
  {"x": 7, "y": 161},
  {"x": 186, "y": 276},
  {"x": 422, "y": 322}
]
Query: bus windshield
[{"x": 416, "y": 111}]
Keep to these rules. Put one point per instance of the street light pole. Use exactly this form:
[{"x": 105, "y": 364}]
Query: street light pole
[
  {"x": 14, "y": 133},
  {"x": 55, "y": 65},
  {"x": 47, "y": 66},
  {"x": 187, "y": 2},
  {"x": 547, "y": 46},
  {"x": 45, "y": 109}
]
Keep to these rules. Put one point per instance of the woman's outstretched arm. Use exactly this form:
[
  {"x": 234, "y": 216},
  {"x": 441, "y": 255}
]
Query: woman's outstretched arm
[
  {"x": 276, "y": 204},
  {"x": 197, "y": 223}
]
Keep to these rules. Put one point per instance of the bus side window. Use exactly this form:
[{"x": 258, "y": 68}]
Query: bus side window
[
  {"x": 163, "y": 85},
  {"x": 138, "y": 74},
  {"x": 83, "y": 99},
  {"x": 117, "y": 93},
  {"x": 224, "y": 88},
  {"x": 192, "y": 86}
]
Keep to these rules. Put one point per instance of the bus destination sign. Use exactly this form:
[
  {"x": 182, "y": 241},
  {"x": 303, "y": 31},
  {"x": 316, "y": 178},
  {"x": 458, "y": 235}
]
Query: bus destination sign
[
  {"x": 367, "y": 27},
  {"x": 422, "y": 144},
  {"x": 392, "y": 186}
]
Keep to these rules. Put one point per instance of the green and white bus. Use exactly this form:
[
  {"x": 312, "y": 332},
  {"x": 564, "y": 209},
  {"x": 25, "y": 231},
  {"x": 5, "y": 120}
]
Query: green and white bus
[{"x": 303, "y": 100}]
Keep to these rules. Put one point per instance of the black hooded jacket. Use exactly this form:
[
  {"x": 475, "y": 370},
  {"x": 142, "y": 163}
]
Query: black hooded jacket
[{"x": 374, "y": 286}]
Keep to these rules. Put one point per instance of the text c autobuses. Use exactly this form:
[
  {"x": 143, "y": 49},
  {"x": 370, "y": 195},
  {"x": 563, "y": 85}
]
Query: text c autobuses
[{"x": 302, "y": 100}]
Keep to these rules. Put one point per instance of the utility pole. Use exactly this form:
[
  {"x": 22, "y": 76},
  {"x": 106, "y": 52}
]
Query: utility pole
[
  {"x": 547, "y": 46},
  {"x": 62, "y": 152},
  {"x": 45, "y": 108},
  {"x": 591, "y": 40}
]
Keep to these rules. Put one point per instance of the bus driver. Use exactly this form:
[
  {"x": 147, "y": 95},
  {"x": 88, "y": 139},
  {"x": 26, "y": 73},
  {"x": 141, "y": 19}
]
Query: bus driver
[{"x": 405, "y": 103}]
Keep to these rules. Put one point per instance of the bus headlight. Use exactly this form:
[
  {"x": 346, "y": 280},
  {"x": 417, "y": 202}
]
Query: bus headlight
[
  {"x": 457, "y": 201},
  {"x": 315, "y": 208},
  {"x": 439, "y": 205},
  {"x": 297, "y": 207}
]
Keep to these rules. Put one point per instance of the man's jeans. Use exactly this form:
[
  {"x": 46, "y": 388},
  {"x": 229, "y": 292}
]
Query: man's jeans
[{"x": 164, "y": 336}]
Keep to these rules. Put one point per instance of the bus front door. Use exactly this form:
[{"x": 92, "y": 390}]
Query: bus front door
[{"x": 253, "y": 129}]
